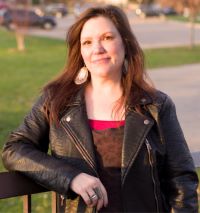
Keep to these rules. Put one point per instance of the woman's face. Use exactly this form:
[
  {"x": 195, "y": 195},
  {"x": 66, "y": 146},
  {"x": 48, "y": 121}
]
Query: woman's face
[{"x": 102, "y": 48}]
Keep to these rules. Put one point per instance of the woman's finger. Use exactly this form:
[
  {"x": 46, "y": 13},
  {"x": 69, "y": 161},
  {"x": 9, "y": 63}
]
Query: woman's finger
[
  {"x": 86, "y": 198},
  {"x": 90, "y": 189},
  {"x": 104, "y": 195},
  {"x": 93, "y": 197}
]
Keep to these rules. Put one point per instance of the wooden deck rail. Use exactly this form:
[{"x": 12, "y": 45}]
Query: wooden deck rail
[{"x": 13, "y": 184}]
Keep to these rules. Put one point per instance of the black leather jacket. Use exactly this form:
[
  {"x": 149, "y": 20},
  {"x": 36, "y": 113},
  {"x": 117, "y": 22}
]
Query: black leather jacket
[{"x": 157, "y": 171}]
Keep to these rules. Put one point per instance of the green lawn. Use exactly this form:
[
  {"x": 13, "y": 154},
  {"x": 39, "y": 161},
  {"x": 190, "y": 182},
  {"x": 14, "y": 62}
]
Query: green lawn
[
  {"x": 165, "y": 57},
  {"x": 184, "y": 19},
  {"x": 22, "y": 76}
]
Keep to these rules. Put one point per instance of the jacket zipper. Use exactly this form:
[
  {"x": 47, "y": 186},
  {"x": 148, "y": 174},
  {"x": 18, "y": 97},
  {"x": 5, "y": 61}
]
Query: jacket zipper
[{"x": 152, "y": 172}]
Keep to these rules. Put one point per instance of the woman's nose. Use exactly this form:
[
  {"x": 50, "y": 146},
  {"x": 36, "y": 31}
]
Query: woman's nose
[{"x": 98, "y": 48}]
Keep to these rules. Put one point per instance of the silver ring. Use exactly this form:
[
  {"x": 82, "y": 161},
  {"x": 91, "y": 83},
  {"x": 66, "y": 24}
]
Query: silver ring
[
  {"x": 94, "y": 196},
  {"x": 98, "y": 192}
]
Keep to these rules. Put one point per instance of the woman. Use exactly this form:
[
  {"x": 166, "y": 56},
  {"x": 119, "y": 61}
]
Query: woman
[{"x": 116, "y": 142}]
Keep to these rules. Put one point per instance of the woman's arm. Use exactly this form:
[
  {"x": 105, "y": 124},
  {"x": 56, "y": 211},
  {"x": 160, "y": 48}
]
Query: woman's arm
[
  {"x": 180, "y": 170},
  {"x": 26, "y": 152}
]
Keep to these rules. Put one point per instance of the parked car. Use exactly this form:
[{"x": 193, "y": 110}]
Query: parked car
[
  {"x": 80, "y": 8},
  {"x": 21, "y": 17},
  {"x": 56, "y": 9},
  {"x": 146, "y": 10},
  {"x": 3, "y": 8},
  {"x": 169, "y": 11}
]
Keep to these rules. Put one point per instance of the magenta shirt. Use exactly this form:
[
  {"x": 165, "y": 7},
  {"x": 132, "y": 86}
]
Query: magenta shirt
[{"x": 101, "y": 124}]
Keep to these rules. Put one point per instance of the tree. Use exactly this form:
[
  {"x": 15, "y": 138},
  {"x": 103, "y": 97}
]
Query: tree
[
  {"x": 194, "y": 9},
  {"x": 194, "y": 6},
  {"x": 18, "y": 28}
]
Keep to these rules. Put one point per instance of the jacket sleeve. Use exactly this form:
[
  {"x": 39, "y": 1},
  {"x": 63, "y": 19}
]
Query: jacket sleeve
[
  {"x": 26, "y": 151},
  {"x": 180, "y": 171}
]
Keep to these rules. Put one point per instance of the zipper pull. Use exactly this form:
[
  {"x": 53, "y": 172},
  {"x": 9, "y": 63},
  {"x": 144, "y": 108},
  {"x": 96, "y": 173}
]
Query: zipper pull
[
  {"x": 62, "y": 199},
  {"x": 149, "y": 152},
  {"x": 148, "y": 145}
]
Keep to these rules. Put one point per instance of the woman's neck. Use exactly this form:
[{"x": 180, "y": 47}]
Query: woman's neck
[
  {"x": 106, "y": 89},
  {"x": 101, "y": 99}
]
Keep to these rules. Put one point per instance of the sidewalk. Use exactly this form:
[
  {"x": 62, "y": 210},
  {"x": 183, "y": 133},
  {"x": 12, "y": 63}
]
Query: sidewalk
[{"x": 182, "y": 84}]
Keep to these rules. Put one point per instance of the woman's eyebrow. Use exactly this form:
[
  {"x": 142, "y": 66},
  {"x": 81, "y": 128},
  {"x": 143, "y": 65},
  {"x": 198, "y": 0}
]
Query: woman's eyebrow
[{"x": 90, "y": 37}]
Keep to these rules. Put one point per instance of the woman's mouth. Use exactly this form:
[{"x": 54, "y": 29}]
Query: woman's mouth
[{"x": 101, "y": 60}]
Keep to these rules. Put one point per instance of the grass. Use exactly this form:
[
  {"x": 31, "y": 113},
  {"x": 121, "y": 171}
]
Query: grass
[
  {"x": 184, "y": 19},
  {"x": 165, "y": 57},
  {"x": 41, "y": 203},
  {"x": 22, "y": 77},
  {"x": 24, "y": 74}
]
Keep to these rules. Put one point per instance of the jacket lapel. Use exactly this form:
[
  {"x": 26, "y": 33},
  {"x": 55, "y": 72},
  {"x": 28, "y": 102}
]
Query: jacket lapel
[
  {"x": 76, "y": 125},
  {"x": 135, "y": 131}
]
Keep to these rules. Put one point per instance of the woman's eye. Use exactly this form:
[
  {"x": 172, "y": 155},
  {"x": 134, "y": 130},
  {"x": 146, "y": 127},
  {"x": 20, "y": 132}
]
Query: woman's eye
[
  {"x": 107, "y": 38},
  {"x": 86, "y": 43}
]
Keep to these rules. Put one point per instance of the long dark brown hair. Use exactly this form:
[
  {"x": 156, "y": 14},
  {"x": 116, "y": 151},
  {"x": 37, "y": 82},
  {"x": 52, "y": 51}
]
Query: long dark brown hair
[{"x": 61, "y": 90}]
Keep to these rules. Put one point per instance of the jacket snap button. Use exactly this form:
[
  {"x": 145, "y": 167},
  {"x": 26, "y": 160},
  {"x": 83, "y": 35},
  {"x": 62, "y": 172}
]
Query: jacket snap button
[
  {"x": 68, "y": 119},
  {"x": 146, "y": 122},
  {"x": 143, "y": 100}
]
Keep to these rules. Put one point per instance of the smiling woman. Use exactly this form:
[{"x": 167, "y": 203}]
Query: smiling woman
[
  {"x": 115, "y": 141},
  {"x": 102, "y": 50}
]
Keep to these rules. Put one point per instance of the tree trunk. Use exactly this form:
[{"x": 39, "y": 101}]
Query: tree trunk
[
  {"x": 20, "y": 38},
  {"x": 192, "y": 31}
]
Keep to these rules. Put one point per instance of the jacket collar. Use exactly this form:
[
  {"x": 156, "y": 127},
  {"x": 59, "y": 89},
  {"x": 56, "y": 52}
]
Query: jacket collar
[{"x": 79, "y": 98}]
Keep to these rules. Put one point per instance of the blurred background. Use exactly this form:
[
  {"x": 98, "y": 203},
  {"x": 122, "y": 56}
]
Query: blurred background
[
  {"x": 35, "y": 16},
  {"x": 33, "y": 51}
]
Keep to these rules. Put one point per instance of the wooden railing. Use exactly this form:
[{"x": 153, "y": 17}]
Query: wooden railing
[{"x": 13, "y": 184}]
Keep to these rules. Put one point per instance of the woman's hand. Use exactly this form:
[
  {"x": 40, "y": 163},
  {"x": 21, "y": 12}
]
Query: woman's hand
[{"x": 90, "y": 189}]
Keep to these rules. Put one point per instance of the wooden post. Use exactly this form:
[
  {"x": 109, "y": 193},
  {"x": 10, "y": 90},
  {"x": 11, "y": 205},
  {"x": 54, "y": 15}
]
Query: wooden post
[
  {"x": 27, "y": 204},
  {"x": 53, "y": 202}
]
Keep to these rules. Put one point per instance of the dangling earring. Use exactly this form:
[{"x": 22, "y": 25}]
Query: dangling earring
[
  {"x": 125, "y": 66},
  {"x": 81, "y": 76}
]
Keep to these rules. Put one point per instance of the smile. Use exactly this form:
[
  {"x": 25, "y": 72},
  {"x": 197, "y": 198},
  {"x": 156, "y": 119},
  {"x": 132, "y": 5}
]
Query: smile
[{"x": 101, "y": 60}]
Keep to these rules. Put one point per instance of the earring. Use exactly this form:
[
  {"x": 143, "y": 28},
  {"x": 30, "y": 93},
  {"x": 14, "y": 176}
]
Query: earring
[
  {"x": 125, "y": 66},
  {"x": 81, "y": 76}
]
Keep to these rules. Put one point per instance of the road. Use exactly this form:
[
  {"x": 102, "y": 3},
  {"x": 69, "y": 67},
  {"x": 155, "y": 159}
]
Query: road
[
  {"x": 152, "y": 32},
  {"x": 182, "y": 84}
]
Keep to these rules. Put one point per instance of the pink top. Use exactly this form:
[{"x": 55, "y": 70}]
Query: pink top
[{"x": 101, "y": 124}]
